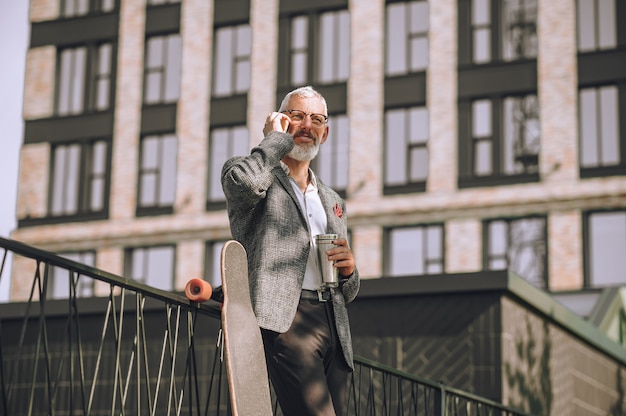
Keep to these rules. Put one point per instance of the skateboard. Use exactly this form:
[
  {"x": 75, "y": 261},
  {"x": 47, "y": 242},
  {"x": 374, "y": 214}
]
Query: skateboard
[{"x": 243, "y": 346}]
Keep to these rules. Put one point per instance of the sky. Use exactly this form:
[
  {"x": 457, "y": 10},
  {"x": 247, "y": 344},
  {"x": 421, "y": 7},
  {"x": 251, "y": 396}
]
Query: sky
[{"x": 14, "y": 35}]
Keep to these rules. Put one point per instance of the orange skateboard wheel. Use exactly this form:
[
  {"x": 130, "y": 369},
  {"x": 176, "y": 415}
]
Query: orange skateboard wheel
[{"x": 198, "y": 290}]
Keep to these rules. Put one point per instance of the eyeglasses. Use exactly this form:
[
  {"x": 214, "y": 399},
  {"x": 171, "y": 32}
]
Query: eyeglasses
[{"x": 298, "y": 116}]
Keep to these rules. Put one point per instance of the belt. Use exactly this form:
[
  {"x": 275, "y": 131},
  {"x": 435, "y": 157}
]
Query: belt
[{"x": 316, "y": 295}]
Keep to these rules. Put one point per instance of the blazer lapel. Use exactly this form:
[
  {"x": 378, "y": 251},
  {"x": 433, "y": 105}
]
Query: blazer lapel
[{"x": 329, "y": 201}]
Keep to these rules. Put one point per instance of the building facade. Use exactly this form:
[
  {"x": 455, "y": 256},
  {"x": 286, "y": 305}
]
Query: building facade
[{"x": 465, "y": 135}]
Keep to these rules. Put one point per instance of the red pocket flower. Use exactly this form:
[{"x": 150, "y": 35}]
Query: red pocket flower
[{"x": 338, "y": 211}]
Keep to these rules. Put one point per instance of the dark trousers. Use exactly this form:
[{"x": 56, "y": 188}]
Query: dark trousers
[{"x": 306, "y": 363}]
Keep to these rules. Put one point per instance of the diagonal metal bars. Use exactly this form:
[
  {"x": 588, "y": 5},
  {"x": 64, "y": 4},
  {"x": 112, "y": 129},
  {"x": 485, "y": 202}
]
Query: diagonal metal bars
[{"x": 137, "y": 350}]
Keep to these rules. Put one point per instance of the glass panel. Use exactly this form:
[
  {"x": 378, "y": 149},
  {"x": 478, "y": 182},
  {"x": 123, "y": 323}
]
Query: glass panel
[
  {"x": 434, "y": 237},
  {"x": 72, "y": 180},
  {"x": 138, "y": 261},
  {"x": 78, "y": 81},
  {"x": 396, "y": 39},
  {"x": 241, "y": 140},
  {"x": 148, "y": 189},
  {"x": 244, "y": 47},
  {"x": 65, "y": 75},
  {"x": 341, "y": 136},
  {"x": 607, "y": 33},
  {"x": 519, "y": 34},
  {"x": 328, "y": 37},
  {"x": 107, "y": 5},
  {"x": 482, "y": 46},
  {"x": 481, "y": 118},
  {"x": 149, "y": 152},
  {"x": 160, "y": 268},
  {"x": 168, "y": 170},
  {"x": 172, "y": 71},
  {"x": 497, "y": 245},
  {"x": 419, "y": 54},
  {"x": 299, "y": 43},
  {"x": 419, "y": 164},
  {"x": 482, "y": 159},
  {"x": 343, "y": 44},
  {"x": 586, "y": 25},
  {"x": 222, "y": 84},
  {"x": 395, "y": 148},
  {"x": 418, "y": 125},
  {"x": 155, "y": 52},
  {"x": 58, "y": 180},
  {"x": 407, "y": 252},
  {"x": 215, "y": 251},
  {"x": 481, "y": 12},
  {"x": 217, "y": 157},
  {"x": 607, "y": 249},
  {"x": 609, "y": 126},
  {"x": 588, "y": 114},
  {"x": 419, "y": 16}
]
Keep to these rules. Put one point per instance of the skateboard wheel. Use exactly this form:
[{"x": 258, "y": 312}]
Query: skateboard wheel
[{"x": 198, "y": 290}]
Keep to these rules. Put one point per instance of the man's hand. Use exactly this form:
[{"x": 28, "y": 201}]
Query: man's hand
[
  {"x": 276, "y": 122},
  {"x": 342, "y": 256}
]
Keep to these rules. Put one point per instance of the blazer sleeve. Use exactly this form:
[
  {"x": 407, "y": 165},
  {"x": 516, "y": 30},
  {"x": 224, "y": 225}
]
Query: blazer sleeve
[{"x": 247, "y": 179}]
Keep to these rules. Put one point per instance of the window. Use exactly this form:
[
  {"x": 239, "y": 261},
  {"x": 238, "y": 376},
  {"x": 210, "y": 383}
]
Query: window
[
  {"x": 152, "y": 266},
  {"x": 212, "y": 263},
  {"x": 162, "y": 69},
  {"x": 84, "y": 79},
  {"x": 157, "y": 173},
  {"x": 519, "y": 245},
  {"x": 332, "y": 162},
  {"x": 231, "y": 64},
  {"x": 224, "y": 143},
  {"x": 503, "y": 30},
  {"x": 605, "y": 247},
  {"x": 406, "y": 148},
  {"x": 415, "y": 250},
  {"x": 599, "y": 127},
  {"x": 319, "y": 48},
  {"x": 74, "y": 8},
  {"x": 66, "y": 284},
  {"x": 509, "y": 146},
  {"x": 79, "y": 178},
  {"x": 597, "y": 25},
  {"x": 407, "y": 37}
]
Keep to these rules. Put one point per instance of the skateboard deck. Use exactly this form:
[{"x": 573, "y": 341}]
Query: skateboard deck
[{"x": 245, "y": 359}]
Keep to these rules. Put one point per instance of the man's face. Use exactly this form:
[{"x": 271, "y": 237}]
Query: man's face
[{"x": 305, "y": 127}]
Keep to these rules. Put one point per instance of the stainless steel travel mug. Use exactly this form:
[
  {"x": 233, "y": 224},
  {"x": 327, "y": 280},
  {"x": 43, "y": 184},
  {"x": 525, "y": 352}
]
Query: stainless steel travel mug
[{"x": 330, "y": 274}]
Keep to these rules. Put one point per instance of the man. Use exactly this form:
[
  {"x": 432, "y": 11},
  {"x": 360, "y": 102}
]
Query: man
[{"x": 276, "y": 205}]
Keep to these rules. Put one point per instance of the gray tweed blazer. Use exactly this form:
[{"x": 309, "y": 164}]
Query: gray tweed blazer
[{"x": 266, "y": 218}]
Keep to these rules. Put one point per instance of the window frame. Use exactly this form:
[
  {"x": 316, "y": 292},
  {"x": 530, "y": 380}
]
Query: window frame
[
  {"x": 83, "y": 187},
  {"x": 487, "y": 256},
  {"x": 387, "y": 249},
  {"x": 129, "y": 265},
  {"x": 90, "y": 81},
  {"x": 157, "y": 208}
]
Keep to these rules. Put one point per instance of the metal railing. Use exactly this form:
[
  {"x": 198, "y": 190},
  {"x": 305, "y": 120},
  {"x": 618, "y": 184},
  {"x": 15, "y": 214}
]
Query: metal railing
[{"x": 137, "y": 350}]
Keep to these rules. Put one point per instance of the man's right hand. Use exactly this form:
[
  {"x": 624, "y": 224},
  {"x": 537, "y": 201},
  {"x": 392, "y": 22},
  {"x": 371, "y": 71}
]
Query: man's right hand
[{"x": 276, "y": 122}]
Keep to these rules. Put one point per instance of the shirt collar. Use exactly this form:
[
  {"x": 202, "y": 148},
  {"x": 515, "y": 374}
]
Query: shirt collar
[{"x": 311, "y": 174}]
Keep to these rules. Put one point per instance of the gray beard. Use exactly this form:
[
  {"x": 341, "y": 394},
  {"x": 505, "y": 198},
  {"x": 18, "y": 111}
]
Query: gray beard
[{"x": 304, "y": 153}]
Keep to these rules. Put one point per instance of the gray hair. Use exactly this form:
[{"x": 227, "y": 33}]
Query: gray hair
[{"x": 304, "y": 92}]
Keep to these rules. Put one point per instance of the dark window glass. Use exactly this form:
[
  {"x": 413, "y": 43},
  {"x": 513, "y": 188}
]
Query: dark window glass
[
  {"x": 231, "y": 64},
  {"x": 153, "y": 266},
  {"x": 406, "y": 146},
  {"x": 79, "y": 177},
  {"x": 597, "y": 25},
  {"x": 224, "y": 143},
  {"x": 599, "y": 127},
  {"x": 162, "y": 69},
  {"x": 84, "y": 79},
  {"x": 64, "y": 282},
  {"x": 407, "y": 37},
  {"x": 415, "y": 250},
  {"x": 519, "y": 245},
  {"x": 157, "y": 171}
]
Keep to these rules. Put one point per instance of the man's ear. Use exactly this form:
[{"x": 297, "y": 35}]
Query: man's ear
[{"x": 324, "y": 135}]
